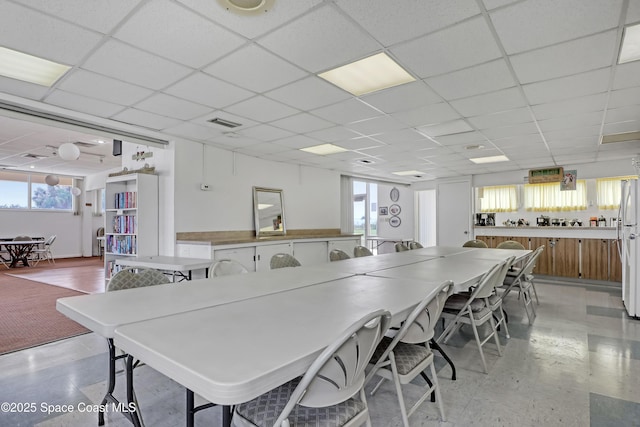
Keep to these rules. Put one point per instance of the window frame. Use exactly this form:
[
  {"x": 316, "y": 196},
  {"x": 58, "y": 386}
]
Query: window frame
[{"x": 30, "y": 188}]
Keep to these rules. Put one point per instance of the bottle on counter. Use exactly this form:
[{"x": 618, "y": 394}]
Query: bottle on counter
[
  {"x": 602, "y": 221},
  {"x": 593, "y": 221}
]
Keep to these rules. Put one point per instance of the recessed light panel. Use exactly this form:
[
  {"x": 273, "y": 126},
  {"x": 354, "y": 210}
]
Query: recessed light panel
[
  {"x": 368, "y": 75},
  {"x": 407, "y": 173},
  {"x": 490, "y": 159},
  {"x": 630, "y": 50},
  {"x": 28, "y": 68},
  {"x": 324, "y": 149}
]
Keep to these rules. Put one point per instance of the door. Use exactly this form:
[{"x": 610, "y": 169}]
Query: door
[{"x": 454, "y": 213}]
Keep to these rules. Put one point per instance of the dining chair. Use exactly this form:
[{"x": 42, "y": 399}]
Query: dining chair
[
  {"x": 522, "y": 281},
  {"x": 226, "y": 267},
  {"x": 360, "y": 251},
  {"x": 22, "y": 239},
  {"x": 338, "y": 255},
  {"x": 283, "y": 260},
  {"x": 100, "y": 233},
  {"x": 495, "y": 301},
  {"x": 331, "y": 392},
  {"x": 510, "y": 244},
  {"x": 405, "y": 356},
  {"x": 473, "y": 309},
  {"x": 45, "y": 251},
  {"x": 415, "y": 245},
  {"x": 401, "y": 247},
  {"x": 475, "y": 243}
]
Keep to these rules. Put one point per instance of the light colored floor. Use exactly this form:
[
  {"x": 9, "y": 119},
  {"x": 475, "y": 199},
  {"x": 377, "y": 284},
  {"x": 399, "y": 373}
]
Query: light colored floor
[{"x": 576, "y": 366}]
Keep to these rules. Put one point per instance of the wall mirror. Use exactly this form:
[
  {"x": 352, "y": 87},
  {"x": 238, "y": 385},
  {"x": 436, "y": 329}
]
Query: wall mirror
[{"x": 268, "y": 211}]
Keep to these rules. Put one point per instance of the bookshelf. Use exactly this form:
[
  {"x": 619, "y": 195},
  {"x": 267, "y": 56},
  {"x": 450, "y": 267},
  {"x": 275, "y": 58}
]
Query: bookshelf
[{"x": 131, "y": 218}]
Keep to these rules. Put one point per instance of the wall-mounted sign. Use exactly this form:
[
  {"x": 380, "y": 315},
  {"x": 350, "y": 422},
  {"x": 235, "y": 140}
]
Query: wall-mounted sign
[{"x": 538, "y": 176}]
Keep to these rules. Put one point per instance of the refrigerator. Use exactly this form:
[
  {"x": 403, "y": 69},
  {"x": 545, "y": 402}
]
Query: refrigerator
[{"x": 629, "y": 245}]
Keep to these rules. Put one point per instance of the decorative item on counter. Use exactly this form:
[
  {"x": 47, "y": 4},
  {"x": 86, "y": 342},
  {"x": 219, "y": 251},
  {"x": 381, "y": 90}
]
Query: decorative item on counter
[
  {"x": 543, "y": 221},
  {"x": 522, "y": 222},
  {"x": 602, "y": 221},
  {"x": 575, "y": 222},
  {"x": 593, "y": 221},
  {"x": 614, "y": 222},
  {"x": 555, "y": 222}
]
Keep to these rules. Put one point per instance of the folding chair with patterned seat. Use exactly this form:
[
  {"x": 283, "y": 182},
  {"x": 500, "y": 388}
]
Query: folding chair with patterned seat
[
  {"x": 406, "y": 355},
  {"x": 331, "y": 392},
  {"x": 495, "y": 301},
  {"x": 360, "y": 251},
  {"x": 401, "y": 247},
  {"x": 475, "y": 243},
  {"x": 473, "y": 309},
  {"x": 338, "y": 255},
  {"x": 127, "y": 278},
  {"x": 415, "y": 245},
  {"x": 522, "y": 281},
  {"x": 226, "y": 267},
  {"x": 510, "y": 244},
  {"x": 283, "y": 260}
]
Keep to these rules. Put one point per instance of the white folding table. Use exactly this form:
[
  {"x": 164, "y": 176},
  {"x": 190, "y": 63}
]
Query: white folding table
[{"x": 174, "y": 265}]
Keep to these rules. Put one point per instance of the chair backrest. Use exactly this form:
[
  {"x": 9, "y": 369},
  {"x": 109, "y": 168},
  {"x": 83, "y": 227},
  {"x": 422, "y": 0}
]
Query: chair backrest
[
  {"x": 22, "y": 239},
  {"x": 136, "y": 277},
  {"x": 531, "y": 261},
  {"x": 337, "y": 374},
  {"x": 475, "y": 244},
  {"x": 499, "y": 277},
  {"x": 401, "y": 247},
  {"x": 100, "y": 232},
  {"x": 360, "y": 251},
  {"x": 415, "y": 245},
  {"x": 226, "y": 267},
  {"x": 338, "y": 255},
  {"x": 510, "y": 244},
  {"x": 50, "y": 240},
  {"x": 283, "y": 260}
]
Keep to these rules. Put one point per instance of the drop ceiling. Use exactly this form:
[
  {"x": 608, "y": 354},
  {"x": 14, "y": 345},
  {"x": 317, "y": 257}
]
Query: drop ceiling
[{"x": 535, "y": 80}]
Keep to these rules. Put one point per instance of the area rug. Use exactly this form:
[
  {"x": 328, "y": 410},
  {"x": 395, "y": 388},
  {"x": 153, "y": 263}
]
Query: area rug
[
  {"x": 87, "y": 279},
  {"x": 28, "y": 315}
]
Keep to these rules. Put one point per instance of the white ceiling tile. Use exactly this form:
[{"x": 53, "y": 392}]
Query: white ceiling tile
[
  {"x": 623, "y": 114},
  {"x": 240, "y": 68},
  {"x": 508, "y": 131},
  {"x": 573, "y": 121},
  {"x": 309, "y": 93},
  {"x": 427, "y": 115},
  {"x": 628, "y": 126},
  {"x": 462, "y": 139},
  {"x": 171, "y": 106},
  {"x": 623, "y": 98},
  {"x": 234, "y": 141},
  {"x": 263, "y": 148},
  {"x": 402, "y": 98},
  {"x": 565, "y": 134},
  {"x": 361, "y": 143},
  {"x": 403, "y": 135},
  {"x": 123, "y": 62},
  {"x": 479, "y": 79},
  {"x": 298, "y": 141},
  {"x": 577, "y": 56},
  {"x": 280, "y": 13},
  {"x": 455, "y": 126},
  {"x": 493, "y": 4},
  {"x": 504, "y": 118},
  {"x": 502, "y": 100},
  {"x": 265, "y": 133},
  {"x": 37, "y": 34},
  {"x": 192, "y": 131},
  {"x": 633, "y": 12},
  {"x": 316, "y": 41},
  {"x": 333, "y": 134},
  {"x": 627, "y": 75},
  {"x": 558, "y": 145},
  {"x": 82, "y": 103},
  {"x": 100, "y": 16},
  {"x": 261, "y": 109},
  {"x": 392, "y": 22},
  {"x": 596, "y": 81},
  {"x": 23, "y": 89},
  {"x": 583, "y": 104},
  {"x": 376, "y": 125},
  {"x": 209, "y": 91},
  {"x": 145, "y": 119},
  {"x": 534, "y": 139},
  {"x": 460, "y": 46},
  {"x": 96, "y": 86},
  {"x": 536, "y": 23},
  {"x": 348, "y": 111},
  {"x": 162, "y": 27},
  {"x": 302, "y": 123}
]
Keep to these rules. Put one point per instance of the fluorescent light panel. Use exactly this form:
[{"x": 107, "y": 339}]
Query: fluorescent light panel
[
  {"x": 630, "y": 50},
  {"x": 28, "y": 68},
  {"x": 490, "y": 159},
  {"x": 368, "y": 75},
  {"x": 620, "y": 137},
  {"x": 324, "y": 149},
  {"x": 407, "y": 173}
]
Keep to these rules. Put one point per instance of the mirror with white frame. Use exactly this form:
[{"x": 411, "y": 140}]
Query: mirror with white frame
[{"x": 268, "y": 210}]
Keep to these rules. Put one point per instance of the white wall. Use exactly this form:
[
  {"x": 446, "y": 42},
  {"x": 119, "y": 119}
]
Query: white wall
[
  {"x": 311, "y": 195},
  {"x": 406, "y": 201}
]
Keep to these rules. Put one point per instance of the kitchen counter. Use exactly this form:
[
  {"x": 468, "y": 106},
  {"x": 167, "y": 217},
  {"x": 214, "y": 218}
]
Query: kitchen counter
[
  {"x": 218, "y": 238},
  {"x": 547, "y": 231}
]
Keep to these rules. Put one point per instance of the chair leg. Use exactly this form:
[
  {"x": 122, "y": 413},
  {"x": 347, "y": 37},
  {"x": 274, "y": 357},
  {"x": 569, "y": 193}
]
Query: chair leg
[
  {"x": 535, "y": 292},
  {"x": 503, "y": 321},
  {"x": 430, "y": 384},
  {"x": 495, "y": 335},
  {"x": 436, "y": 346},
  {"x": 437, "y": 391},
  {"x": 396, "y": 380},
  {"x": 475, "y": 333}
]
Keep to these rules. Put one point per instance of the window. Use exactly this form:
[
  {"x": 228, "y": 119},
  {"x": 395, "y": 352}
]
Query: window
[
  {"x": 548, "y": 197},
  {"x": 609, "y": 191},
  {"x": 20, "y": 190},
  {"x": 503, "y": 198},
  {"x": 365, "y": 208}
]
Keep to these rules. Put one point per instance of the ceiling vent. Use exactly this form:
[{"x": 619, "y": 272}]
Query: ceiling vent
[
  {"x": 620, "y": 137},
  {"x": 34, "y": 156},
  {"x": 365, "y": 161},
  {"x": 84, "y": 144},
  {"x": 247, "y": 7},
  {"x": 225, "y": 123}
]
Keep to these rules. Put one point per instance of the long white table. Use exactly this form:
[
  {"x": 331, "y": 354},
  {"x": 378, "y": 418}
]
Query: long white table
[{"x": 175, "y": 265}]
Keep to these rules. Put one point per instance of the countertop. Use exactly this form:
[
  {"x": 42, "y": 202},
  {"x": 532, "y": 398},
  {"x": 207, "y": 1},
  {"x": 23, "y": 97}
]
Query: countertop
[{"x": 247, "y": 237}]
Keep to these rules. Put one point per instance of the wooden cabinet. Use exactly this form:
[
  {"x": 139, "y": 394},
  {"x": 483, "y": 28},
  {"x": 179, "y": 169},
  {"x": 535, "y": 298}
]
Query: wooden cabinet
[
  {"x": 487, "y": 239},
  {"x": 544, "y": 264},
  {"x": 615, "y": 263},
  {"x": 566, "y": 257},
  {"x": 595, "y": 259}
]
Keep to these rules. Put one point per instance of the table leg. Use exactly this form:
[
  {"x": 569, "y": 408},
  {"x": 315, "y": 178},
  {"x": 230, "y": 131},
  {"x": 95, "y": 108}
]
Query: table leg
[
  {"x": 226, "y": 416},
  {"x": 192, "y": 409}
]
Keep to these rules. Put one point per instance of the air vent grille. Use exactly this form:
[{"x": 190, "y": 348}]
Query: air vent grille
[
  {"x": 34, "y": 156},
  {"x": 225, "y": 123}
]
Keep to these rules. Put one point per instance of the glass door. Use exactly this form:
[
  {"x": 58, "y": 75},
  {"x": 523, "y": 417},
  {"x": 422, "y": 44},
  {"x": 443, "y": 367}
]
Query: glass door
[{"x": 365, "y": 210}]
